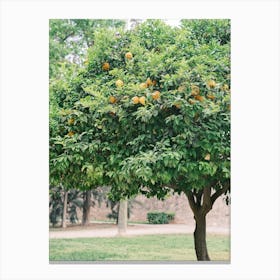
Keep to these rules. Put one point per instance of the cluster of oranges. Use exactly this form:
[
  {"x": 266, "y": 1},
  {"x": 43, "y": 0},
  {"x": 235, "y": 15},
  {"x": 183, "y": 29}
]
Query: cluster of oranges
[
  {"x": 119, "y": 83},
  {"x": 106, "y": 65},
  {"x": 136, "y": 100},
  {"x": 195, "y": 90},
  {"x": 142, "y": 99}
]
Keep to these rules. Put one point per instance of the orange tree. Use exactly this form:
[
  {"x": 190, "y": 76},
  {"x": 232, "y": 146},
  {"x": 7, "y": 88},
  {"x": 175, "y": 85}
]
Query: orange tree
[
  {"x": 156, "y": 102},
  {"x": 69, "y": 40},
  {"x": 71, "y": 165}
]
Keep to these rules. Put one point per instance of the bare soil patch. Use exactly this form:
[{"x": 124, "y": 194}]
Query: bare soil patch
[{"x": 111, "y": 230}]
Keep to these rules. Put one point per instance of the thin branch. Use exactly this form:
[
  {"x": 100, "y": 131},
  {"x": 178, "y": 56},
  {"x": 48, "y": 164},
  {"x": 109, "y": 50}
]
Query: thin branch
[
  {"x": 67, "y": 36},
  {"x": 198, "y": 196},
  {"x": 174, "y": 187},
  {"x": 219, "y": 192},
  {"x": 192, "y": 203}
]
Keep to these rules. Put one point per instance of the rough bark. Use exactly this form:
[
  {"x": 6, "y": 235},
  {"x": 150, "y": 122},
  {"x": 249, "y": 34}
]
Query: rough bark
[
  {"x": 86, "y": 208},
  {"x": 64, "y": 214},
  {"x": 122, "y": 217},
  {"x": 207, "y": 203},
  {"x": 200, "y": 238}
]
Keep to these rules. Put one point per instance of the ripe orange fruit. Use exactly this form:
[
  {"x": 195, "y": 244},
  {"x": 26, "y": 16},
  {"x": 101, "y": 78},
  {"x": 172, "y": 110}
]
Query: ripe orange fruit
[
  {"x": 71, "y": 121},
  {"x": 112, "y": 99},
  {"x": 195, "y": 90},
  {"x": 71, "y": 133},
  {"x": 199, "y": 98},
  {"x": 142, "y": 100},
  {"x": 135, "y": 100},
  {"x": 106, "y": 66},
  {"x": 149, "y": 82},
  {"x": 156, "y": 95},
  {"x": 211, "y": 84},
  {"x": 119, "y": 83},
  {"x": 225, "y": 87},
  {"x": 210, "y": 96},
  {"x": 177, "y": 105},
  {"x": 143, "y": 85},
  {"x": 207, "y": 157},
  {"x": 128, "y": 55}
]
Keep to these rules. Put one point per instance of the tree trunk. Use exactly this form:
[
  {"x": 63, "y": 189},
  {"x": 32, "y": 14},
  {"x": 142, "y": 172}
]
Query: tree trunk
[
  {"x": 122, "y": 217},
  {"x": 86, "y": 208},
  {"x": 200, "y": 238},
  {"x": 64, "y": 209},
  {"x": 200, "y": 208}
]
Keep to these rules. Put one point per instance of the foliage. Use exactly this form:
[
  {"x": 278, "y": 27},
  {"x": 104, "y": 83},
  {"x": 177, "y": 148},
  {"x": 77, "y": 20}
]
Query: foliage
[
  {"x": 160, "y": 217},
  {"x": 165, "y": 142},
  {"x": 70, "y": 39},
  {"x": 205, "y": 31}
]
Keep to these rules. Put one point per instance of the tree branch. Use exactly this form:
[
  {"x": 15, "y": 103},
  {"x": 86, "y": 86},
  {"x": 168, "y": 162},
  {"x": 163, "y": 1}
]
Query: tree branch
[
  {"x": 173, "y": 187},
  {"x": 192, "y": 203},
  {"x": 67, "y": 36},
  {"x": 198, "y": 196},
  {"x": 207, "y": 202},
  {"x": 219, "y": 192}
]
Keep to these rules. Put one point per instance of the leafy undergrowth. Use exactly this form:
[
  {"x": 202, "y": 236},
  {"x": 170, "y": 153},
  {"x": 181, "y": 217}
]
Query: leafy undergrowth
[{"x": 177, "y": 247}]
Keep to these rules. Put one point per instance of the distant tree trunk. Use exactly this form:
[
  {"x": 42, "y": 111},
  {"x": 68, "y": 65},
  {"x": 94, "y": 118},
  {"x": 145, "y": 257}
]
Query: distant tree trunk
[
  {"x": 86, "y": 208},
  {"x": 200, "y": 238},
  {"x": 64, "y": 214},
  {"x": 122, "y": 217}
]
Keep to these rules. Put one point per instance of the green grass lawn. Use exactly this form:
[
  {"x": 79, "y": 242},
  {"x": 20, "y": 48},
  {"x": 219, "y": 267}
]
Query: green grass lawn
[{"x": 175, "y": 247}]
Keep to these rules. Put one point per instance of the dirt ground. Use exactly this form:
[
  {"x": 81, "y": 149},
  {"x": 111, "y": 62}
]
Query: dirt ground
[{"x": 110, "y": 230}]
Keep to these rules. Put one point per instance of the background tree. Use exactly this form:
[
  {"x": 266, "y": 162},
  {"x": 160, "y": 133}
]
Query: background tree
[
  {"x": 90, "y": 197},
  {"x": 69, "y": 40}
]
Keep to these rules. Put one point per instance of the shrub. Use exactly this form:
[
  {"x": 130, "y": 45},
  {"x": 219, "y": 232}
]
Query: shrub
[
  {"x": 160, "y": 217},
  {"x": 170, "y": 216}
]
